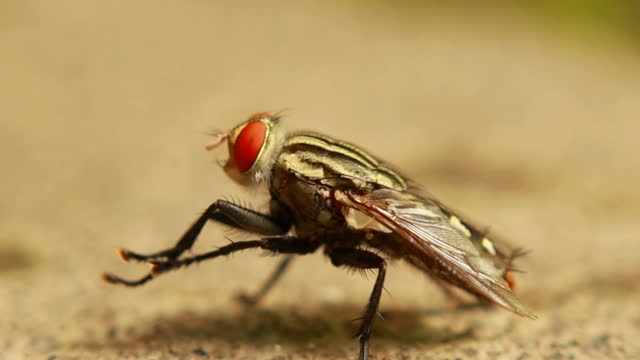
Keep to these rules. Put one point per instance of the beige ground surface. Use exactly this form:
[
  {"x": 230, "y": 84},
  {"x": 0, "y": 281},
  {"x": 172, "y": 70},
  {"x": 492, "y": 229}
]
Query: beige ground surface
[{"x": 103, "y": 111}]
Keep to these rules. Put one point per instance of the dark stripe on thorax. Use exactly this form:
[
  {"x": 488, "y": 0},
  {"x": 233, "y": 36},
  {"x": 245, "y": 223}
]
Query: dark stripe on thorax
[
  {"x": 313, "y": 141},
  {"x": 338, "y": 150}
]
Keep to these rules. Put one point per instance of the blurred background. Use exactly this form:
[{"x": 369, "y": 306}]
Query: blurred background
[{"x": 524, "y": 117}]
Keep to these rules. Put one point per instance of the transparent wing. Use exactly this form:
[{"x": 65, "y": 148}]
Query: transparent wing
[{"x": 430, "y": 231}]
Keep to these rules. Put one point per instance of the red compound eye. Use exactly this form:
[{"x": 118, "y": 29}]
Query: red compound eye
[{"x": 248, "y": 144}]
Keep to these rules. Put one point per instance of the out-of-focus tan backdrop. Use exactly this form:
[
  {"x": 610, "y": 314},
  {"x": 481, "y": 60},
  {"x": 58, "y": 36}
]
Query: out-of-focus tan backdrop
[{"x": 525, "y": 119}]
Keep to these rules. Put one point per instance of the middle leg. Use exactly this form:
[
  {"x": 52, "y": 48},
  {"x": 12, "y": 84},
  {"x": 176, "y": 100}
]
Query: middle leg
[
  {"x": 362, "y": 259},
  {"x": 252, "y": 300}
]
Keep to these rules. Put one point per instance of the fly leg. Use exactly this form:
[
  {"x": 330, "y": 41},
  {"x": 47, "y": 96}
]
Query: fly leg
[
  {"x": 278, "y": 244},
  {"x": 362, "y": 259},
  {"x": 252, "y": 300},
  {"x": 223, "y": 212}
]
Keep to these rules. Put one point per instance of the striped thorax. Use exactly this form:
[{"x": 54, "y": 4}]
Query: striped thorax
[
  {"x": 316, "y": 156},
  {"x": 260, "y": 143}
]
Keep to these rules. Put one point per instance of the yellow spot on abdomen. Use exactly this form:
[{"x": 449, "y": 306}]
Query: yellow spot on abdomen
[
  {"x": 488, "y": 245},
  {"x": 458, "y": 225}
]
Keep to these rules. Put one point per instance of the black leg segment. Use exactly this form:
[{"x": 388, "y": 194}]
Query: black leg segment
[
  {"x": 362, "y": 259},
  {"x": 281, "y": 244},
  {"x": 223, "y": 212},
  {"x": 252, "y": 300}
]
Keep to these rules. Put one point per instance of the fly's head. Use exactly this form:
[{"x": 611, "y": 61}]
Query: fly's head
[{"x": 253, "y": 148}]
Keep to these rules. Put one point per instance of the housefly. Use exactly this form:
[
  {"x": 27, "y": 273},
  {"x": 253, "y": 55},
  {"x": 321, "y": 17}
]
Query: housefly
[{"x": 332, "y": 194}]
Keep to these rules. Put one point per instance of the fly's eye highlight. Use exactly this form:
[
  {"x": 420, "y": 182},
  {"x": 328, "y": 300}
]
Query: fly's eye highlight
[{"x": 248, "y": 144}]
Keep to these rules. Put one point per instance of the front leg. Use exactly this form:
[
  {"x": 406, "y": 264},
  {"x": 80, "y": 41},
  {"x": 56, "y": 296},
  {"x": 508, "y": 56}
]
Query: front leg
[
  {"x": 362, "y": 259},
  {"x": 278, "y": 245},
  {"x": 223, "y": 212}
]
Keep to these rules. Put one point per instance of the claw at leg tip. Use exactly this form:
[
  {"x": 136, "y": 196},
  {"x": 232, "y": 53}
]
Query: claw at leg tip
[
  {"x": 245, "y": 300},
  {"x": 123, "y": 254},
  {"x": 108, "y": 278}
]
